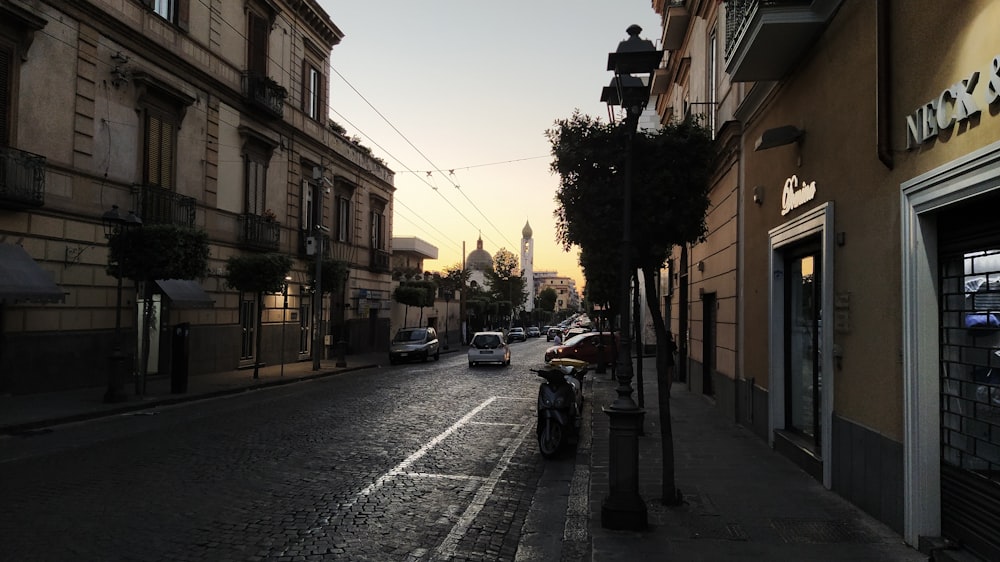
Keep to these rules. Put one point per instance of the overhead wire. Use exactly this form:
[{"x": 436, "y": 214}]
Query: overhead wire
[{"x": 330, "y": 109}]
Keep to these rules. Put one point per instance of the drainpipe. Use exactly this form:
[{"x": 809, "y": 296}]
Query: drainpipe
[{"x": 883, "y": 82}]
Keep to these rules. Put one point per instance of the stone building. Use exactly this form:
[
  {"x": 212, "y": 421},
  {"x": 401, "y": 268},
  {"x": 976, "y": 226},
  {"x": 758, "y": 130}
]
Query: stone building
[{"x": 212, "y": 115}]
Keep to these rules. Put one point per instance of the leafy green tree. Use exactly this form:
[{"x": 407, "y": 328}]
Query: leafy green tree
[
  {"x": 408, "y": 296},
  {"x": 260, "y": 274},
  {"x": 547, "y": 299},
  {"x": 505, "y": 281},
  {"x": 335, "y": 273},
  {"x": 670, "y": 172},
  {"x": 156, "y": 252}
]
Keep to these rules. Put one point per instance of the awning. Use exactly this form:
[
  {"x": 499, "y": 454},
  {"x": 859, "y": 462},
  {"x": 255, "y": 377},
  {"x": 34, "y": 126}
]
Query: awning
[
  {"x": 22, "y": 279},
  {"x": 185, "y": 293}
]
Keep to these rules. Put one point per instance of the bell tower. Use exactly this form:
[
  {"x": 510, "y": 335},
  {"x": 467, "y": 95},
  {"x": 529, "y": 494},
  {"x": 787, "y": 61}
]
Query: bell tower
[{"x": 528, "y": 266}]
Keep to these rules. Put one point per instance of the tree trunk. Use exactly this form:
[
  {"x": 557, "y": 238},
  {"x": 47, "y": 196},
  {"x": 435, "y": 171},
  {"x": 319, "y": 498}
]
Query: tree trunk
[
  {"x": 664, "y": 378},
  {"x": 256, "y": 353}
]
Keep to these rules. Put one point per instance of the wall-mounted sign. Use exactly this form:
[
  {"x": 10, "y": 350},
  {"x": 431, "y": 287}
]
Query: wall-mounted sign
[
  {"x": 793, "y": 196},
  {"x": 956, "y": 104}
]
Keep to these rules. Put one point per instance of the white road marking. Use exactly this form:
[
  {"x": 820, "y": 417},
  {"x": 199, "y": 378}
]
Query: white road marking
[
  {"x": 401, "y": 467},
  {"x": 446, "y": 550}
]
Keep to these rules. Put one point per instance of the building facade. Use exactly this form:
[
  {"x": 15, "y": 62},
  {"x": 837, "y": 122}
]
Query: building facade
[
  {"x": 844, "y": 303},
  {"x": 211, "y": 115}
]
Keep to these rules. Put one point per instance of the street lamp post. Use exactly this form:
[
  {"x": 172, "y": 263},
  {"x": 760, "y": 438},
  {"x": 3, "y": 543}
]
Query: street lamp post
[
  {"x": 623, "y": 507},
  {"x": 118, "y": 227}
]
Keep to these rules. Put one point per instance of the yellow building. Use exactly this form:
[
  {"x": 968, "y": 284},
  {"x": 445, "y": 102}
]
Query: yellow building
[{"x": 844, "y": 304}]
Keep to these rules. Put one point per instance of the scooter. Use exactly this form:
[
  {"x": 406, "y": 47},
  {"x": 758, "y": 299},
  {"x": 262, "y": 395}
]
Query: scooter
[{"x": 560, "y": 404}]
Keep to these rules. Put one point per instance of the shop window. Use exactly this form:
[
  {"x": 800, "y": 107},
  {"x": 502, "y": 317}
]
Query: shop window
[{"x": 803, "y": 352}]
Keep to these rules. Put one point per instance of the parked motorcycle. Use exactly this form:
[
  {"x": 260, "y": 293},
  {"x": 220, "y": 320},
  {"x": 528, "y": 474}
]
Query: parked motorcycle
[{"x": 560, "y": 404}]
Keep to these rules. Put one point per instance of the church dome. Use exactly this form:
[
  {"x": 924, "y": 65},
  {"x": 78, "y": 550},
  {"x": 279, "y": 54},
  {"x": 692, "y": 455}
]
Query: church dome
[
  {"x": 479, "y": 259},
  {"x": 526, "y": 231}
]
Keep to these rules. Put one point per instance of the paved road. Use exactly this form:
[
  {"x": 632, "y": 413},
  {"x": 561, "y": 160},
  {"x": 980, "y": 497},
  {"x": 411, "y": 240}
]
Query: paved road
[{"x": 430, "y": 461}]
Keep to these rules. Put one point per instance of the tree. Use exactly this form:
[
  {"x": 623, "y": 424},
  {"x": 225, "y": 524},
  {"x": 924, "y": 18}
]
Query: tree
[
  {"x": 506, "y": 282},
  {"x": 408, "y": 296},
  {"x": 547, "y": 299},
  {"x": 258, "y": 273},
  {"x": 670, "y": 177},
  {"x": 156, "y": 252}
]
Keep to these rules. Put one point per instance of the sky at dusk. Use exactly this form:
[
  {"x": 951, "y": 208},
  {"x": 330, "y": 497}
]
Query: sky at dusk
[{"x": 456, "y": 96}]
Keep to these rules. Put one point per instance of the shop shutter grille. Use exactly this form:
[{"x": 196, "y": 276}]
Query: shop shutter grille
[{"x": 969, "y": 257}]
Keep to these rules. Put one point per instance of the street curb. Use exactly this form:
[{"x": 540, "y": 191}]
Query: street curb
[{"x": 27, "y": 428}]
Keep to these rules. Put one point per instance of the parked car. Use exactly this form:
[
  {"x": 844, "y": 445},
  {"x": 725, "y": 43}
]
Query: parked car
[
  {"x": 551, "y": 333},
  {"x": 534, "y": 332},
  {"x": 516, "y": 334},
  {"x": 414, "y": 344},
  {"x": 574, "y": 331},
  {"x": 489, "y": 347},
  {"x": 596, "y": 348}
]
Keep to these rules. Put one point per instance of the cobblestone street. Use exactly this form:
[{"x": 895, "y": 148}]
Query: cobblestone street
[{"x": 427, "y": 461}]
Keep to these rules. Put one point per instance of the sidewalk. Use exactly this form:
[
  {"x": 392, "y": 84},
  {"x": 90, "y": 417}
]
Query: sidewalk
[
  {"x": 743, "y": 501},
  {"x": 24, "y": 414}
]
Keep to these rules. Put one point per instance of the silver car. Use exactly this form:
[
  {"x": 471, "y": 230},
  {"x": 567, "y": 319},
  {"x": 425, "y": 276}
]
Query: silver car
[
  {"x": 414, "y": 344},
  {"x": 489, "y": 347}
]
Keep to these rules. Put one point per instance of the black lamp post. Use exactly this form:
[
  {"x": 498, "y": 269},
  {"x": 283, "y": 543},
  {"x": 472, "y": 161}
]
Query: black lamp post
[
  {"x": 624, "y": 508},
  {"x": 118, "y": 227}
]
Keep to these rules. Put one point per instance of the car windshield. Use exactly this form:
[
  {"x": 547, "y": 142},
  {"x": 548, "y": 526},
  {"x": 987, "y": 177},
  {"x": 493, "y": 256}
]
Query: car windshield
[
  {"x": 486, "y": 341},
  {"x": 517, "y": 329},
  {"x": 409, "y": 335}
]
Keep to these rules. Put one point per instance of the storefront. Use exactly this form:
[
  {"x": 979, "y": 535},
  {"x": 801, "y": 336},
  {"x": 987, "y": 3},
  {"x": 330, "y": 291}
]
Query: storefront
[{"x": 951, "y": 301}]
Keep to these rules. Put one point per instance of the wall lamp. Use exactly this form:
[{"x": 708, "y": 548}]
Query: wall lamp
[{"x": 779, "y": 136}]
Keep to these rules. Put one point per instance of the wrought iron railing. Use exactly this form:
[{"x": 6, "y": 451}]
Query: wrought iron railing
[
  {"x": 380, "y": 261},
  {"x": 157, "y": 205},
  {"x": 264, "y": 93},
  {"x": 259, "y": 233},
  {"x": 22, "y": 178}
]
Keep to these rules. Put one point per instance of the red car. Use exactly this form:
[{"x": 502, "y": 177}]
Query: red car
[{"x": 596, "y": 348}]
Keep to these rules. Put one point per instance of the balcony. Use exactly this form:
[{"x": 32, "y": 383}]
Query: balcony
[
  {"x": 380, "y": 261},
  {"x": 22, "y": 179},
  {"x": 675, "y": 25},
  {"x": 264, "y": 93},
  {"x": 765, "y": 39},
  {"x": 157, "y": 205},
  {"x": 259, "y": 233}
]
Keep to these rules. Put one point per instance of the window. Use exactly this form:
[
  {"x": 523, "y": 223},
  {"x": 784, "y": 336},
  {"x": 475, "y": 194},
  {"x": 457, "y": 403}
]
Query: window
[
  {"x": 378, "y": 230},
  {"x": 174, "y": 11},
  {"x": 257, "y": 39},
  {"x": 312, "y": 89},
  {"x": 343, "y": 218},
  {"x": 256, "y": 183},
  {"x": 159, "y": 145},
  {"x": 164, "y": 9},
  {"x": 713, "y": 79}
]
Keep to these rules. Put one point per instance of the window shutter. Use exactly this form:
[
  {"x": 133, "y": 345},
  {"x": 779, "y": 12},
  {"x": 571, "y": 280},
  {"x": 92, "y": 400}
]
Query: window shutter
[
  {"x": 257, "y": 47},
  {"x": 306, "y": 207},
  {"x": 5, "y": 71},
  {"x": 183, "y": 14}
]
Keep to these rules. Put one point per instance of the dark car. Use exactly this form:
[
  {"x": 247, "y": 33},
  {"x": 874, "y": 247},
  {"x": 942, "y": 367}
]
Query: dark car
[
  {"x": 596, "y": 348},
  {"x": 534, "y": 332},
  {"x": 516, "y": 334},
  {"x": 411, "y": 344},
  {"x": 551, "y": 334}
]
